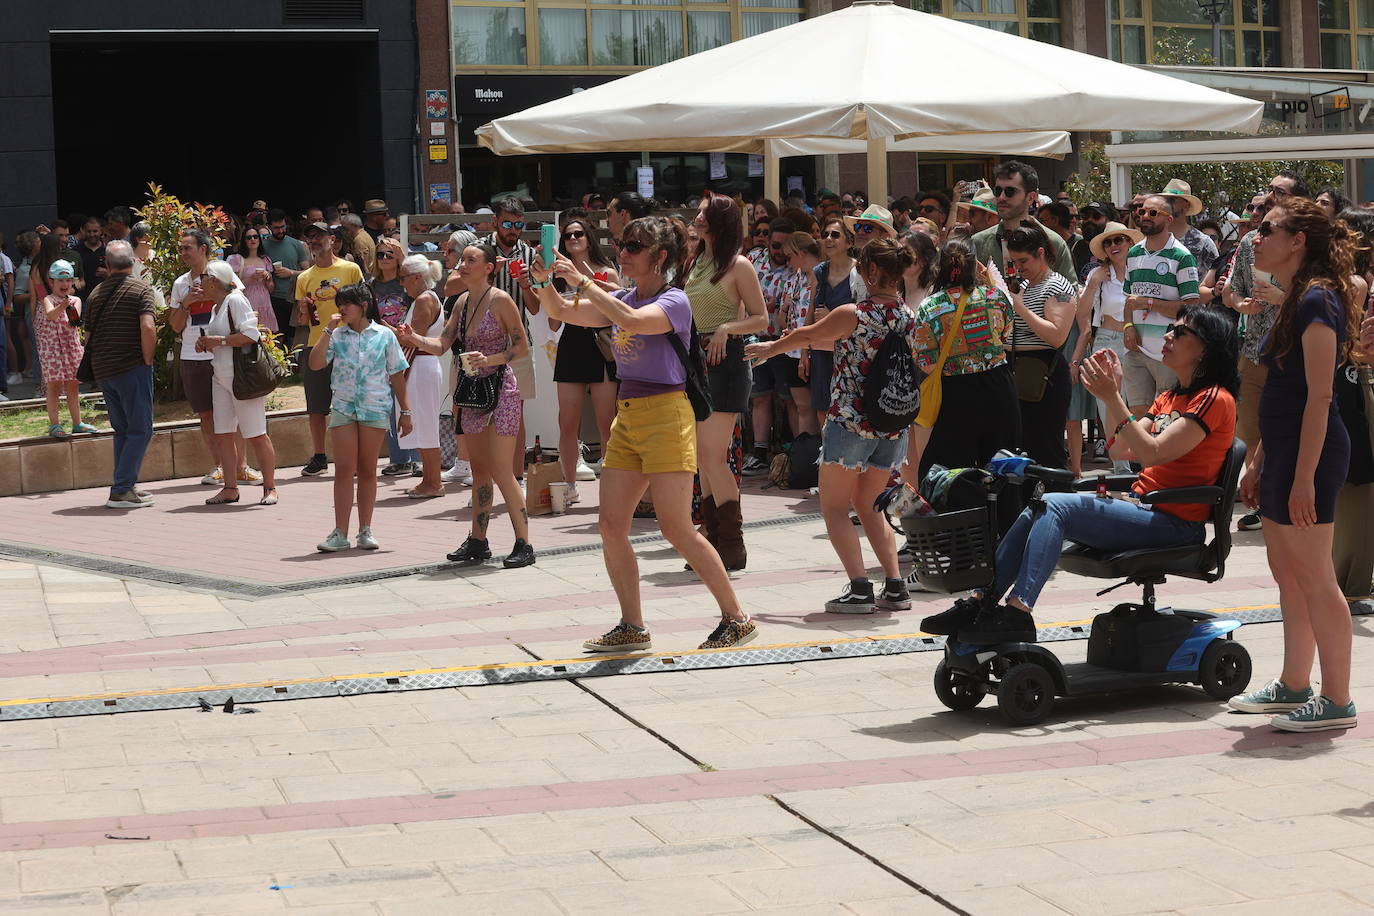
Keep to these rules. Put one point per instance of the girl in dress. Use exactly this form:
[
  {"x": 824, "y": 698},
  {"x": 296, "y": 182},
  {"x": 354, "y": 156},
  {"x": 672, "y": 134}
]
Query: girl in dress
[{"x": 59, "y": 347}]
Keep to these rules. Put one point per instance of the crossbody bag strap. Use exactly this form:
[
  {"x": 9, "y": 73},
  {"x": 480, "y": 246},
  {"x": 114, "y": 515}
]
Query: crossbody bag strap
[{"x": 955, "y": 327}]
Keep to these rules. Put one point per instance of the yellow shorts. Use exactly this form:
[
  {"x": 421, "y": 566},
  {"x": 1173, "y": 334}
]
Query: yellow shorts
[{"x": 653, "y": 435}]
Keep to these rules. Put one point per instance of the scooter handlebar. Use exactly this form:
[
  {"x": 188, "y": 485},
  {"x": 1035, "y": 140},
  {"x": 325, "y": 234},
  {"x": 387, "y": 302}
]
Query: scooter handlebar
[{"x": 1050, "y": 475}]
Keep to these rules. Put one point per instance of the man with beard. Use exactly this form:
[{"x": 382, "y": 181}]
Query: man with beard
[{"x": 1015, "y": 185}]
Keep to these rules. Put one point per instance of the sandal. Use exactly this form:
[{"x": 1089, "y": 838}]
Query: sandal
[
  {"x": 58, "y": 432},
  {"x": 84, "y": 428},
  {"x": 415, "y": 493},
  {"x": 219, "y": 499},
  {"x": 269, "y": 498}
]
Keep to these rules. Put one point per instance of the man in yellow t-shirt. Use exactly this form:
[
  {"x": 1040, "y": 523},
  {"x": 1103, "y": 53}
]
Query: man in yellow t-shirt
[{"x": 316, "y": 287}]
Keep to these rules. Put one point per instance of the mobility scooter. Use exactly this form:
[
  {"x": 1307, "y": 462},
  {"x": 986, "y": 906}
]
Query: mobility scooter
[{"x": 1133, "y": 645}]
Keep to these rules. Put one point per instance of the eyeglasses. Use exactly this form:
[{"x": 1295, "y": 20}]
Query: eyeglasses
[
  {"x": 865, "y": 228},
  {"x": 1115, "y": 240},
  {"x": 1005, "y": 191},
  {"x": 1267, "y": 229},
  {"x": 1278, "y": 191},
  {"x": 633, "y": 246},
  {"x": 1151, "y": 212},
  {"x": 1181, "y": 330},
  {"x": 385, "y": 256},
  {"x": 575, "y": 234},
  {"x": 832, "y": 234},
  {"x": 512, "y": 224}
]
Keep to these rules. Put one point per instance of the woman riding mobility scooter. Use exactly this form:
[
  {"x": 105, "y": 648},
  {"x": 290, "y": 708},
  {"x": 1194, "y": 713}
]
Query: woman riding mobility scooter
[{"x": 1191, "y": 473}]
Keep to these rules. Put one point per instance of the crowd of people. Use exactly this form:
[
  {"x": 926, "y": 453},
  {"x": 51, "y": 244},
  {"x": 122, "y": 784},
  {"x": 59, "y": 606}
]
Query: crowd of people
[{"x": 1165, "y": 332}]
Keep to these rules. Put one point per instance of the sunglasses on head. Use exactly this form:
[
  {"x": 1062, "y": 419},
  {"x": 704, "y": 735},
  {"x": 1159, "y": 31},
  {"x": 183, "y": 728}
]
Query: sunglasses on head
[
  {"x": 512, "y": 224},
  {"x": 865, "y": 228},
  {"x": 1005, "y": 191},
  {"x": 633, "y": 246},
  {"x": 1266, "y": 229},
  {"x": 833, "y": 234},
  {"x": 1181, "y": 330},
  {"x": 1115, "y": 240},
  {"x": 575, "y": 234}
]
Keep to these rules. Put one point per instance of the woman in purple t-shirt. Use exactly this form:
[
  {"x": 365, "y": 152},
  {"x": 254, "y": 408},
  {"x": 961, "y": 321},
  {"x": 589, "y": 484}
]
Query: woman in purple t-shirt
[{"x": 653, "y": 435}]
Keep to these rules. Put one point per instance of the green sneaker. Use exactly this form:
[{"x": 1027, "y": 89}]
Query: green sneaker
[
  {"x": 1272, "y": 697},
  {"x": 1316, "y": 715}
]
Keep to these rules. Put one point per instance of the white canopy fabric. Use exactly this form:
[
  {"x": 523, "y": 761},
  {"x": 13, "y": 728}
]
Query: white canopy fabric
[
  {"x": 965, "y": 79},
  {"x": 1047, "y": 144}
]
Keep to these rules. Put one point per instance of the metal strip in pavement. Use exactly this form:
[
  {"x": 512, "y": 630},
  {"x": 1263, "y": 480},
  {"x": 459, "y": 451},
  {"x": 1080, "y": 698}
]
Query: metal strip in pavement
[
  {"x": 544, "y": 670},
  {"x": 231, "y": 587}
]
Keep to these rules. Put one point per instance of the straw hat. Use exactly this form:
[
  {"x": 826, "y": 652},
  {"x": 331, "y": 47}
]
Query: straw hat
[
  {"x": 874, "y": 214},
  {"x": 1111, "y": 231},
  {"x": 1177, "y": 187},
  {"x": 983, "y": 200}
]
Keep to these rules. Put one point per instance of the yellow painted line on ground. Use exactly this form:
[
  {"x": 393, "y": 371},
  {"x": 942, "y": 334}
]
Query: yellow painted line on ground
[{"x": 534, "y": 663}]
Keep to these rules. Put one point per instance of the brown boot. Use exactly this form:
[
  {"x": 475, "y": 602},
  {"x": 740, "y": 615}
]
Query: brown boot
[
  {"x": 710, "y": 524},
  {"x": 730, "y": 541}
]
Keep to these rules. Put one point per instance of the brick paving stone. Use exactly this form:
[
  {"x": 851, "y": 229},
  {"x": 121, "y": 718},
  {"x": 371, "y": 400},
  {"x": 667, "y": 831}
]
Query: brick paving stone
[
  {"x": 838, "y": 883},
  {"x": 1136, "y": 892}
]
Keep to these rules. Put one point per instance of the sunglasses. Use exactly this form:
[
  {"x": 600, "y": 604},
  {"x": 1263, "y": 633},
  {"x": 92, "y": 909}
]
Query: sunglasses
[
  {"x": 1267, "y": 229},
  {"x": 631, "y": 247},
  {"x": 760, "y": 233},
  {"x": 251, "y": 235},
  {"x": 383, "y": 256},
  {"x": 833, "y": 234},
  {"x": 1005, "y": 191},
  {"x": 1115, "y": 240},
  {"x": 575, "y": 234},
  {"x": 512, "y": 224},
  {"x": 1151, "y": 213},
  {"x": 1181, "y": 330},
  {"x": 927, "y": 208},
  {"x": 865, "y": 228}
]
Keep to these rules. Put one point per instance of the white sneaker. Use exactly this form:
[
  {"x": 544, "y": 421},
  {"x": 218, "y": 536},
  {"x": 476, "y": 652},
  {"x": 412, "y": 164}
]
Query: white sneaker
[
  {"x": 14, "y": 378},
  {"x": 214, "y": 478},
  {"x": 365, "y": 539},
  {"x": 460, "y": 472},
  {"x": 337, "y": 540},
  {"x": 572, "y": 495},
  {"x": 584, "y": 470}
]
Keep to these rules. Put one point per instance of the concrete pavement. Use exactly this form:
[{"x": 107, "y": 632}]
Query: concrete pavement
[{"x": 837, "y": 786}]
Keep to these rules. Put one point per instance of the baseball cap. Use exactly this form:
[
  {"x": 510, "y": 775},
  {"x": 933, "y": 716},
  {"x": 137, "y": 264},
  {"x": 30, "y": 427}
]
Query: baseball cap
[
  {"x": 322, "y": 227},
  {"x": 61, "y": 270}
]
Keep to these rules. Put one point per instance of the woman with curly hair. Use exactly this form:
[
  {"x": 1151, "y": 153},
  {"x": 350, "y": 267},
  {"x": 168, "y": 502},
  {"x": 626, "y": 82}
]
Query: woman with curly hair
[{"x": 1296, "y": 470}]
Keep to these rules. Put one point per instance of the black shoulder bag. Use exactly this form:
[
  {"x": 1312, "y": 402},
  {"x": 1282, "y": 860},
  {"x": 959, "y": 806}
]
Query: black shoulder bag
[
  {"x": 473, "y": 392},
  {"x": 256, "y": 373},
  {"x": 694, "y": 361}
]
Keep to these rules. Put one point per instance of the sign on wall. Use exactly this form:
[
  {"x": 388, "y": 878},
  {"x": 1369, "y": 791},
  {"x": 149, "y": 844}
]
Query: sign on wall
[
  {"x": 438, "y": 150},
  {"x": 436, "y": 104}
]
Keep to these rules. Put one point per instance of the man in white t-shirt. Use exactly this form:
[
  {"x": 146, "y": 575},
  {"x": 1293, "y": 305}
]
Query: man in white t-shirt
[
  {"x": 189, "y": 316},
  {"x": 7, "y": 355}
]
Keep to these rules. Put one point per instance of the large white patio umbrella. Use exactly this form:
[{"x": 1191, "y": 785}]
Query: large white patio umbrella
[{"x": 901, "y": 74}]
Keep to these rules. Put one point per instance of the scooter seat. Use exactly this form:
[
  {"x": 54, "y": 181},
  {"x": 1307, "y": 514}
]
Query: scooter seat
[{"x": 1194, "y": 561}]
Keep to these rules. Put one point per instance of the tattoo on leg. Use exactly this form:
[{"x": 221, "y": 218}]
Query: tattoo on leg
[
  {"x": 524, "y": 514},
  {"x": 483, "y": 518},
  {"x": 484, "y": 494}
]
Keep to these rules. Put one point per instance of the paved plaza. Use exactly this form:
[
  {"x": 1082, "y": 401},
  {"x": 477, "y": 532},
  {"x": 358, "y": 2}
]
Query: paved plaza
[{"x": 836, "y": 786}]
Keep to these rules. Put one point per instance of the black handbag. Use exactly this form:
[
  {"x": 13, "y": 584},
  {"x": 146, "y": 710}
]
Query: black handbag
[
  {"x": 1032, "y": 378},
  {"x": 256, "y": 373},
  {"x": 473, "y": 392},
  {"x": 695, "y": 364}
]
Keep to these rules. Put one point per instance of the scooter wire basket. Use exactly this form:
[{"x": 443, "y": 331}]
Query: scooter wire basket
[{"x": 952, "y": 551}]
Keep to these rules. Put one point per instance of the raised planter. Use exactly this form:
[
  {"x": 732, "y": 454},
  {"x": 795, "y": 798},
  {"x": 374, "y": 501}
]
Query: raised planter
[{"x": 42, "y": 465}]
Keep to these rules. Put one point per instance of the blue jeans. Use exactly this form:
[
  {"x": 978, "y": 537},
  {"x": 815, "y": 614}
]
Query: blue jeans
[
  {"x": 129, "y": 401},
  {"x": 1028, "y": 554}
]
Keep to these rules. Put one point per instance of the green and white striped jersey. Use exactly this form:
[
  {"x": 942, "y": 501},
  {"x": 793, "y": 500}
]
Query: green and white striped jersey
[{"x": 1169, "y": 275}]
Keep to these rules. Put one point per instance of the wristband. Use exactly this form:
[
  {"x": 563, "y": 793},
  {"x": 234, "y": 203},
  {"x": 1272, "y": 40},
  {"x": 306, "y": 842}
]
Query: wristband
[
  {"x": 582, "y": 286},
  {"x": 1131, "y": 418},
  {"x": 405, "y": 413},
  {"x": 535, "y": 284},
  {"x": 1128, "y": 325}
]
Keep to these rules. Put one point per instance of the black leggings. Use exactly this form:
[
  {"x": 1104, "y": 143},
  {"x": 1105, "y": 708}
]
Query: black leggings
[{"x": 1043, "y": 421}]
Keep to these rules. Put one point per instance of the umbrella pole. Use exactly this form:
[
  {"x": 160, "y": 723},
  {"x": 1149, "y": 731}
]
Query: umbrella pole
[
  {"x": 772, "y": 171},
  {"x": 877, "y": 171}
]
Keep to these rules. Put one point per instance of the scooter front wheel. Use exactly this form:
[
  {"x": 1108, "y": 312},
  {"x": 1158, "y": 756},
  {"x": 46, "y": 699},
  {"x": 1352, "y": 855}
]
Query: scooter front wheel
[
  {"x": 956, "y": 691},
  {"x": 1026, "y": 694},
  {"x": 1224, "y": 670}
]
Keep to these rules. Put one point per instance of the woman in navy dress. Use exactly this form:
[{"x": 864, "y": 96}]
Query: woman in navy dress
[{"x": 1295, "y": 472}]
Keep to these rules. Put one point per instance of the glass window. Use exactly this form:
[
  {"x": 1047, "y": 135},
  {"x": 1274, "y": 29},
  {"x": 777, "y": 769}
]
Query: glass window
[
  {"x": 1187, "y": 11},
  {"x": 752, "y": 24},
  {"x": 968, "y": 6},
  {"x": 1251, "y": 10},
  {"x": 1260, "y": 49},
  {"x": 1042, "y": 9},
  {"x": 1002, "y": 7},
  {"x": 1129, "y": 44},
  {"x": 635, "y": 38},
  {"x": 1047, "y": 32},
  {"x": 997, "y": 25},
  {"x": 1365, "y": 45},
  {"x": 707, "y": 30},
  {"x": 928, "y": 6},
  {"x": 489, "y": 35},
  {"x": 1336, "y": 51},
  {"x": 562, "y": 38},
  {"x": 1366, "y": 13},
  {"x": 1128, "y": 9},
  {"x": 1333, "y": 14}
]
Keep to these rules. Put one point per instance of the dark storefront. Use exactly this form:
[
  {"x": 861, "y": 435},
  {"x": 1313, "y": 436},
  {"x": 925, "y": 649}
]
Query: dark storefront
[
  {"x": 217, "y": 102},
  {"x": 563, "y": 179}
]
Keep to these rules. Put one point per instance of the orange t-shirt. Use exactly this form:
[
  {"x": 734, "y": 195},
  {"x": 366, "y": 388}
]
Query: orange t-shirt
[{"x": 1214, "y": 409}]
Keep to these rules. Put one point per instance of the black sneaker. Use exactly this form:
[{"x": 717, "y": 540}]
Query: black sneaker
[
  {"x": 1251, "y": 521},
  {"x": 399, "y": 469},
  {"x": 472, "y": 552},
  {"x": 522, "y": 554},
  {"x": 754, "y": 467},
  {"x": 317, "y": 465},
  {"x": 1001, "y": 624},
  {"x": 857, "y": 598},
  {"x": 894, "y": 596},
  {"x": 947, "y": 623}
]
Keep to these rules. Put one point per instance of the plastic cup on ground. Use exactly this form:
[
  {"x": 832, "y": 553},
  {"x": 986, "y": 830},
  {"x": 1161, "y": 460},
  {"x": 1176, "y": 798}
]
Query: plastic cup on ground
[{"x": 558, "y": 497}]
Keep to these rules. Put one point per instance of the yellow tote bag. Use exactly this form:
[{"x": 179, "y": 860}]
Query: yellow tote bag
[{"x": 931, "y": 388}]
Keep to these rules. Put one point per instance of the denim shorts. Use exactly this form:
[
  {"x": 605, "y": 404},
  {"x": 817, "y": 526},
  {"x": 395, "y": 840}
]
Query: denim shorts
[{"x": 858, "y": 453}]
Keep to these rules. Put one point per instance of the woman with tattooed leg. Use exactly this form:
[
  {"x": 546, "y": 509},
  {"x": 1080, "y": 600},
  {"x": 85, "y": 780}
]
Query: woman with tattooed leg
[{"x": 492, "y": 337}]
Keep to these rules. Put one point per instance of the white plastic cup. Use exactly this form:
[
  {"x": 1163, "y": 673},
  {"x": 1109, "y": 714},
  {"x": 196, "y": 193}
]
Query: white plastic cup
[
  {"x": 558, "y": 497},
  {"x": 466, "y": 360}
]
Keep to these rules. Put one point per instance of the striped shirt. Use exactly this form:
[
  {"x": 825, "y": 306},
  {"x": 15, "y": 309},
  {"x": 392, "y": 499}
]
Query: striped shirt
[
  {"x": 1054, "y": 287},
  {"x": 502, "y": 279},
  {"x": 1169, "y": 275},
  {"x": 114, "y": 321}
]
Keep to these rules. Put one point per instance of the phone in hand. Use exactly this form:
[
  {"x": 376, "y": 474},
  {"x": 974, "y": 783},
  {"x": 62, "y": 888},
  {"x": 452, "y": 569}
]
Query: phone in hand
[{"x": 548, "y": 243}]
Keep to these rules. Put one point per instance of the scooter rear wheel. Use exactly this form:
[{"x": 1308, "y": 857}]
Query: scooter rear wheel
[
  {"x": 1026, "y": 694},
  {"x": 1224, "y": 670},
  {"x": 955, "y": 691}
]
